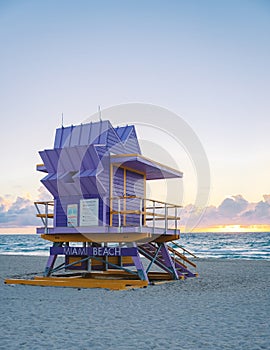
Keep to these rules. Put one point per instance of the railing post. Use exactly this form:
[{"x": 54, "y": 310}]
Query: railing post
[
  {"x": 46, "y": 217},
  {"x": 119, "y": 213},
  {"x": 166, "y": 218},
  {"x": 175, "y": 213},
  {"x": 141, "y": 216},
  {"x": 154, "y": 213}
]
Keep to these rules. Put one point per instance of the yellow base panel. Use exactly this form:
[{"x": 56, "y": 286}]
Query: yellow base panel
[
  {"x": 167, "y": 238},
  {"x": 80, "y": 282}
]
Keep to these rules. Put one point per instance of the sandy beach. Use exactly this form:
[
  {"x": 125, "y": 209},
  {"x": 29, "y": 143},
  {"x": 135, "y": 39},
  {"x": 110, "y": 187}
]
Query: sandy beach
[{"x": 226, "y": 307}]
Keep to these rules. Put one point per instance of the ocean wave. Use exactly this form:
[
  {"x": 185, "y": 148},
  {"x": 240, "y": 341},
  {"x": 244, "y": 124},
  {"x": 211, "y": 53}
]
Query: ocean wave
[{"x": 203, "y": 245}]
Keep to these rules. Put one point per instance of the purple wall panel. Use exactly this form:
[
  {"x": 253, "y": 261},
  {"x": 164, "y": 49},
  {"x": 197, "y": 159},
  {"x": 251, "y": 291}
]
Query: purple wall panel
[
  {"x": 62, "y": 178},
  {"x": 118, "y": 191},
  {"x": 123, "y": 131},
  {"x": 61, "y": 136},
  {"x": 71, "y": 158},
  {"x": 101, "y": 151},
  {"x": 61, "y": 208},
  {"x": 88, "y": 185},
  {"x": 132, "y": 144},
  {"x": 104, "y": 179},
  {"x": 50, "y": 188},
  {"x": 90, "y": 158},
  {"x": 129, "y": 138},
  {"x": 65, "y": 141},
  {"x": 94, "y": 135},
  {"x": 75, "y": 136},
  {"x": 85, "y": 133},
  {"x": 114, "y": 143},
  {"x": 57, "y": 139},
  {"x": 61, "y": 217},
  {"x": 134, "y": 187},
  {"x": 118, "y": 182},
  {"x": 103, "y": 138},
  {"x": 67, "y": 188},
  {"x": 50, "y": 165},
  {"x": 50, "y": 182}
]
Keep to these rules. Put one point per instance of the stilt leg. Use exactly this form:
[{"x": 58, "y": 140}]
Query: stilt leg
[
  {"x": 168, "y": 260},
  {"x": 140, "y": 268},
  {"x": 51, "y": 260}
]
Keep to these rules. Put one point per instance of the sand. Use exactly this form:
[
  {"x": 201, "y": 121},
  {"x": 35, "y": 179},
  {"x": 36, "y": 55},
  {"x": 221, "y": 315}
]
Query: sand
[{"x": 227, "y": 307}]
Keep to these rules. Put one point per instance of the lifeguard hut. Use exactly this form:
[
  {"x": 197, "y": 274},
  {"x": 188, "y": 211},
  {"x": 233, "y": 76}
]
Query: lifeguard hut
[{"x": 101, "y": 225}]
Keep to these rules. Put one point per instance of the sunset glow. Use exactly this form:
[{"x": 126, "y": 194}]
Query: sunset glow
[
  {"x": 234, "y": 228},
  {"x": 213, "y": 229},
  {"x": 18, "y": 230}
]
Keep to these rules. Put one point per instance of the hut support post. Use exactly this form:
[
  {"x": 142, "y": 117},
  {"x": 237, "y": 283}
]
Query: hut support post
[
  {"x": 51, "y": 260},
  {"x": 140, "y": 268},
  {"x": 168, "y": 260}
]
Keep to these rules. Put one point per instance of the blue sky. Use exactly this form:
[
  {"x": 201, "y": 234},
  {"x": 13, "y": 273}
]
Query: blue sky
[{"x": 207, "y": 61}]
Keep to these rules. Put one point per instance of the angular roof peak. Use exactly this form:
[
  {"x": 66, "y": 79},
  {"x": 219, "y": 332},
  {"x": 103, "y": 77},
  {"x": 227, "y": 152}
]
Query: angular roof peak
[
  {"x": 82, "y": 135},
  {"x": 98, "y": 133}
]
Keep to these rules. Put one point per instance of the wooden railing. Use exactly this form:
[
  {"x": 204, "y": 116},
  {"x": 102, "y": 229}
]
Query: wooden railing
[
  {"x": 128, "y": 211},
  {"x": 185, "y": 255},
  {"x": 139, "y": 211}
]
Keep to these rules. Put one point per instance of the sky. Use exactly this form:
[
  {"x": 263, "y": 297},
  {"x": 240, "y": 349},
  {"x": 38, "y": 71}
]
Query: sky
[{"x": 206, "y": 61}]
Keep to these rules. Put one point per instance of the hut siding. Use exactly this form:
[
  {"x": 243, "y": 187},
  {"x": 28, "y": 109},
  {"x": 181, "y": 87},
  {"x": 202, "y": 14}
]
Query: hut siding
[
  {"x": 118, "y": 191},
  {"x": 61, "y": 209},
  {"x": 134, "y": 187},
  {"x": 81, "y": 148}
]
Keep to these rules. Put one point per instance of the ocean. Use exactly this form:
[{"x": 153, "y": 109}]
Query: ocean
[{"x": 252, "y": 246}]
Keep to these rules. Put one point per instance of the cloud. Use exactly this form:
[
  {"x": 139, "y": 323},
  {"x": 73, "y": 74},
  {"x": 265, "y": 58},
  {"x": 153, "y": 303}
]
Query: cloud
[
  {"x": 19, "y": 213},
  {"x": 266, "y": 198},
  {"x": 261, "y": 213},
  {"x": 235, "y": 210},
  {"x": 232, "y": 206}
]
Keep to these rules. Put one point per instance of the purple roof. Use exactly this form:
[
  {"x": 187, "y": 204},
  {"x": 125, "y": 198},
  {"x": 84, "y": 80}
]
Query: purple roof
[
  {"x": 152, "y": 169},
  {"x": 98, "y": 133}
]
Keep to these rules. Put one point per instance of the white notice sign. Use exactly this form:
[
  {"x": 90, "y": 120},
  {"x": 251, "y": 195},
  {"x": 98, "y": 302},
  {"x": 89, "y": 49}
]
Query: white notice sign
[
  {"x": 72, "y": 215},
  {"x": 89, "y": 212}
]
